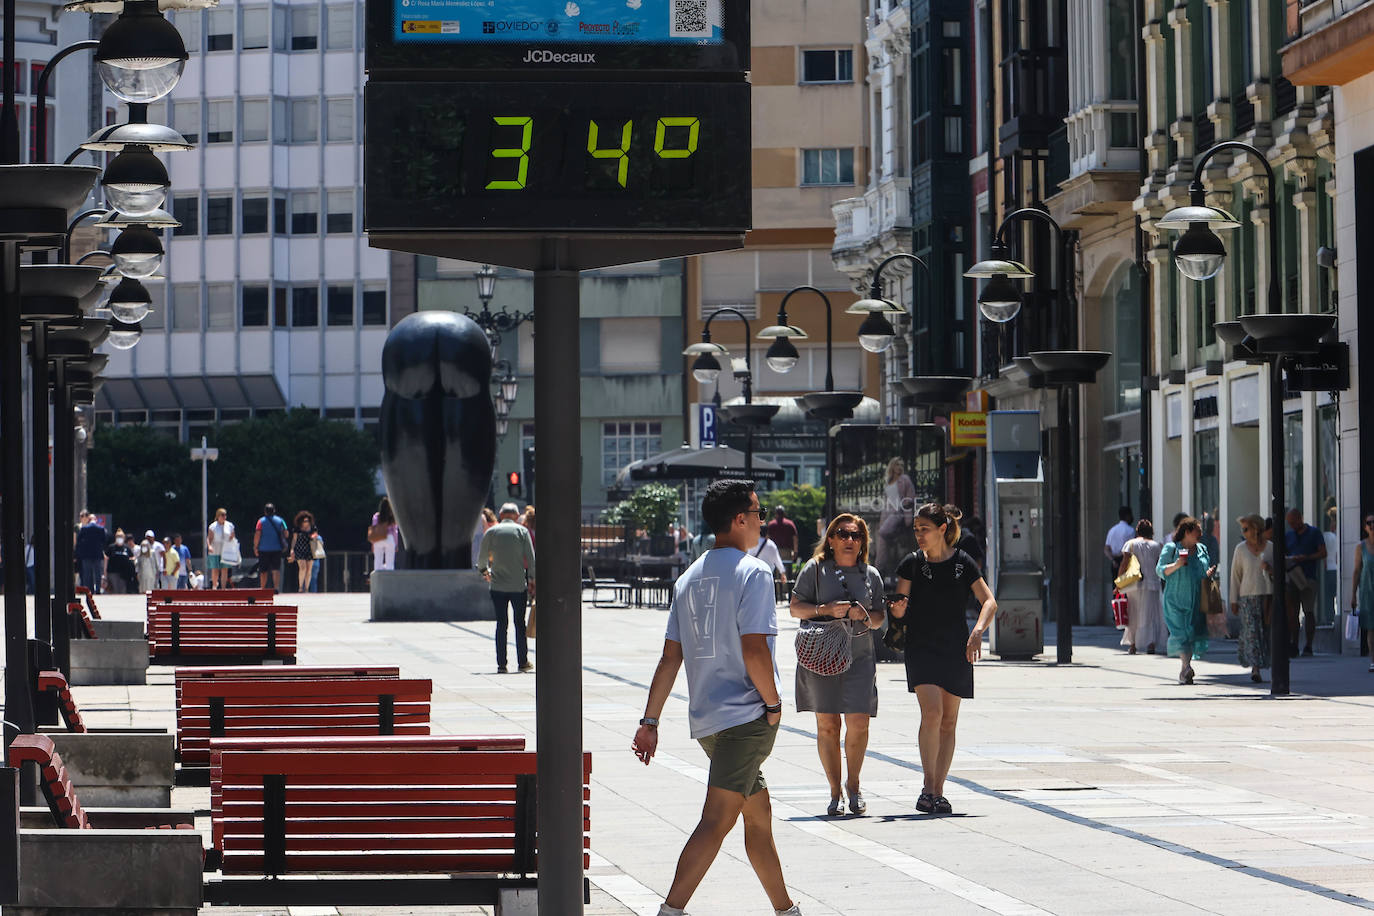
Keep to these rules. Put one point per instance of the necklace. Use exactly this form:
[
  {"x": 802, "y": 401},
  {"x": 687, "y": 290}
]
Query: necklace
[{"x": 849, "y": 597}]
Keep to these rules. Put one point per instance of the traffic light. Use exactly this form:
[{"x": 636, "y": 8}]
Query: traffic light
[{"x": 513, "y": 484}]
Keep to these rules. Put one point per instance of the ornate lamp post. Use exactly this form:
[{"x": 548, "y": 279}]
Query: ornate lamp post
[
  {"x": 1063, "y": 370},
  {"x": 1200, "y": 254},
  {"x": 494, "y": 323}
]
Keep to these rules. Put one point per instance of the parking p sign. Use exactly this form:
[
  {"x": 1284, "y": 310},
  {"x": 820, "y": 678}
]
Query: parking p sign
[{"x": 706, "y": 425}]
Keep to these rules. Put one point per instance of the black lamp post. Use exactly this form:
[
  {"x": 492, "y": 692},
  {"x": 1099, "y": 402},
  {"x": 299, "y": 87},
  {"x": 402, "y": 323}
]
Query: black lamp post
[
  {"x": 494, "y": 323},
  {"x": 1063, "y": 370},
  {"x": 1200, "y": 254},
  {"x": 706, "y": 369}
]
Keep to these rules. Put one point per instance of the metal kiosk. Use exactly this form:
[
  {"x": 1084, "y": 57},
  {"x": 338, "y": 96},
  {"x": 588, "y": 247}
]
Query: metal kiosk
[{"x": 1016, "y": 567}]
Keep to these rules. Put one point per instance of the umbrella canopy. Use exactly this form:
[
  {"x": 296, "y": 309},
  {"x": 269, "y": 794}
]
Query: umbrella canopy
[{"x": 687, "y": 463}]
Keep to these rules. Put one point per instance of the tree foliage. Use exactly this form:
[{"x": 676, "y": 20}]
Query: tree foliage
[
  {"x": 294, "y": 459},
  {"x": 651, "y": 507},
  {"x": 804, "y": 504}
]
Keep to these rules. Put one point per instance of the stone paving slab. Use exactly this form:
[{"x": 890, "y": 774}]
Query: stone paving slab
[{"x": 1098, "y": 787}]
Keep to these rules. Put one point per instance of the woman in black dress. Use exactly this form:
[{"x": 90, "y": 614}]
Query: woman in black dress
[{"x": 940, "y": 649}]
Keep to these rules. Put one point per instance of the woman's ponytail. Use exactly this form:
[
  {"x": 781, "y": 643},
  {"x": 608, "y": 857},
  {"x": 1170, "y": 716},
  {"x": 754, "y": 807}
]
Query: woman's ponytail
[{"x": 953, "y": 532}]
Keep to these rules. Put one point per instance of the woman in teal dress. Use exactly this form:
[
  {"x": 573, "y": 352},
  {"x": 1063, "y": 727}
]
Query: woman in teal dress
[
  {"x": 1182, "y": 565},
  {"x": 1362, "y": 589}
]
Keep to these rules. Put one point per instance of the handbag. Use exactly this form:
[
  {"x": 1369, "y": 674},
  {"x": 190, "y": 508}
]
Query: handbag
[
  {"x": 825, "y": 647},
  {"x": 317, "y": 548},
  {"x": 1121, "y": 610},
  {"x": 231, "y": 554},
  {"x": 1210, "y": 597},
  {"x": 529, "y": 624},
  {"x": 1131, "y": 576},
  {"x": 377, "y": 533},
  {"x": 894, "y": 637},
  {"x": 1352, "y": 627}
]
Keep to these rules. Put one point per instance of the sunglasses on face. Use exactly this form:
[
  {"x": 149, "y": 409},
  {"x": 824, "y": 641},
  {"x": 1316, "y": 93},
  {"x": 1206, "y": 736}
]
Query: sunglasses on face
[
  {"x": 762, "y": 513},
  {"x": 845, "y": 534},
  {"x": 1369, "y": 521}
]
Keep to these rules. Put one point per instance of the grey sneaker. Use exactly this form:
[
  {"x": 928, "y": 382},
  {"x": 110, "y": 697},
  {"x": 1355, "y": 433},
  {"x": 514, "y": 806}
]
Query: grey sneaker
[{"x": 793, "y": 910}]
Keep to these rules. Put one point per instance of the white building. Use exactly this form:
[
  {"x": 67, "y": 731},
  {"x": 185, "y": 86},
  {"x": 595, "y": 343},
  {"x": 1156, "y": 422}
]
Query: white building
[
  {"x": 41, "y": 30},
  {"x": 272, "y": 296}
]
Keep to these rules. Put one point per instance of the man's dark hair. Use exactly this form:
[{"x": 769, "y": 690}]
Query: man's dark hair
[
  {"x": 269, "y": 510},
  {"x": 779, "y": 511},
  {"x": 1179, "y": 517},
  {"x": 1125, "y": 514},
  {"x": 724, "y": 500}
]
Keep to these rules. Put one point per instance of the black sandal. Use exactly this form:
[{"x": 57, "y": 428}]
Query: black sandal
[
  {"x": 942, "y": 806},
  {"x": 926, "y": 803}
]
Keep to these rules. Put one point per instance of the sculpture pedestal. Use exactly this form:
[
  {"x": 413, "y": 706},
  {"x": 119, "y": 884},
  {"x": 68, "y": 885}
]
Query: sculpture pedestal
[{"x": 430, "y": 594}]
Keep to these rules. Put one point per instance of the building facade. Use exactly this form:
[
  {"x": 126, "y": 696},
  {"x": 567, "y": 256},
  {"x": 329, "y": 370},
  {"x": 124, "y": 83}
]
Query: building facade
[
  {"x": 272, "y": 297},
  {"x": 810, "y": 145}
]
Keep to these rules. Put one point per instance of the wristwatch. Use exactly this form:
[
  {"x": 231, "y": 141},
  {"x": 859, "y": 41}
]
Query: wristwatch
[{"x": 649, "y": 721}]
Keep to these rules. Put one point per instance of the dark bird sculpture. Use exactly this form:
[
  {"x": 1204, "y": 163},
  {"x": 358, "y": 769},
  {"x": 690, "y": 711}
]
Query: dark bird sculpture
[{"x": 438, "y": 429}]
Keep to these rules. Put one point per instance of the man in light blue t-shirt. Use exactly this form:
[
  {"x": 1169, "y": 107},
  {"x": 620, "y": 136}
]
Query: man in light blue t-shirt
[{"x": 722, "y": 626}]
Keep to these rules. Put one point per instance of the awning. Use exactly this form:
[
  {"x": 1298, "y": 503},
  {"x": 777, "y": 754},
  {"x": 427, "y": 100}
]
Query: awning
[
  {"x": 191, "y": 392},
  {"x": 687, "y": 463}
]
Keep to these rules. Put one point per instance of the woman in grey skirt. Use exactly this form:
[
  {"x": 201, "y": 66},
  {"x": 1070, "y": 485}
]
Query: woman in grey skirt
[{"x": 838, "y": 583}]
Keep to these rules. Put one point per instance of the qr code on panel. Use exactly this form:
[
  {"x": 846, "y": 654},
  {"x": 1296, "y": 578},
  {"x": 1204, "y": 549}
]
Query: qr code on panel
[{"x": 690, "y": 19}]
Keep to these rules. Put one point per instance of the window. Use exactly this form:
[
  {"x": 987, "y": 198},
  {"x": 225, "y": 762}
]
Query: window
[
  {"x": 186, "y": 120},
  {"x": 827, "y": 166},
  {"x": 339, "y": 306},
  {"x": 254, "y": 215},
  {"x": 627, "y": 441},
  {"x": 254, "y": 307},
  {"x": 305, "y": 307},
  {"x": 156, "y": 318},
  {"x": 188, "y": 24},
  {"x": 219, "y": 306},
  {"x": 305, "y": 120},
  {"x": 186, "y": 307},
  {"x": 279, "y": 224},
  {"x": 338, "y": 124},
  {"x": 219, "y": 215},
  {"x": 219, "y": 25},
  {"x": 828, "y": 66},
  {"x": 255, "y": 122},
  {"x": 952, "y": 89},
  {"x": 305, "y": 28},
  {"x": 219, "y": 117},
  {"x": 186, "y": 210},
  {"x": 20, "y": 73},
  {"x": 954, "y": 134},
  {"x": 374, "y": 305},
  {"x": 631, "y": 344},
  {"x": 339, "y": 217},
  {"x": 305, "y": 212},
  {"x": 339, "y": 21},
  {"x": 256, "y": 26},
  {"x": 279, "y": 300}
]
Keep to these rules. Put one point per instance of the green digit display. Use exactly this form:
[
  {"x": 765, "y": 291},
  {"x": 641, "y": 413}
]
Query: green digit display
[
  {"x": 510, "y": 152},
  {"x": 693, "y": 126},
  {"x": 623, "y": 153}
]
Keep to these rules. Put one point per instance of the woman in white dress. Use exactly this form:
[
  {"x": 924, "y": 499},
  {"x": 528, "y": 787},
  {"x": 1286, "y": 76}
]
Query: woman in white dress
[{"x": 1145, "y": 624}]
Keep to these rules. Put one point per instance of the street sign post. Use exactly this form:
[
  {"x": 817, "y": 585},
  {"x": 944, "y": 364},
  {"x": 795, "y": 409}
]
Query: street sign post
[{"x": 204, "y": 456}]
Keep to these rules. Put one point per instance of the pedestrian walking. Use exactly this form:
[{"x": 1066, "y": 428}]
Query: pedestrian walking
[
  {"x": 300, "y": 548},
  {"x": 722, "y": 625},
  {"x": 485, "y": 519},
  {"x": 1118, "y": 535},
  {"x": 1178, "y": 517},
  {"x": 269, "y": 540},
  {"x": 119, "y": 565},
  {"x": 783, "y": 532},
  {"x": 1331, "y": 583},
  {"x": 837, "y": 584},
  {"x": 1305, "y": 551},
  {"x": 384, "y": 535},
  {"x": 217, "y": 538},
  {"x": 1362, "y": 585},
  {"x": 1183, "y": 564},
  {"x": 91, "y": 540},
  {"x": 507, "y": 553},
  {"x": 1251, "y": 566},
  {"x": 1145, "y": 620},
  {"x": 933, "y": 585},
  {"x": 148, "y": 562},
  {"x": 184, "y": 565},
  {"x": 527, "y": 520},
  {"x": 171, "y": 563},
  {"x": 768, "y": 552}
]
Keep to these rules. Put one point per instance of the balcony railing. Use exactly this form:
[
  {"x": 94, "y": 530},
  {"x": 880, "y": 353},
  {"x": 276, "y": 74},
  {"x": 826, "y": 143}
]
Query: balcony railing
[{"x": 881, "y": 210}]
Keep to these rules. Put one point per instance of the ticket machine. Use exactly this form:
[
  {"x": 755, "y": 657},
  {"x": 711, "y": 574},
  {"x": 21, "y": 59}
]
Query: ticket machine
[{"x": 1016, "y": 566}]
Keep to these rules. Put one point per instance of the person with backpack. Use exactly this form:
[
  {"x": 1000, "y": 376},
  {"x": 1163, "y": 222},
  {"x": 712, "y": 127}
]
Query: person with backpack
[{"x": 269, "y": 540}]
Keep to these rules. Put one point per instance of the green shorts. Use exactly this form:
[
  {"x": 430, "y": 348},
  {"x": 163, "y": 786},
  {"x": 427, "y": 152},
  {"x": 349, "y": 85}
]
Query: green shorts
[{"x": 737, "y": 753}]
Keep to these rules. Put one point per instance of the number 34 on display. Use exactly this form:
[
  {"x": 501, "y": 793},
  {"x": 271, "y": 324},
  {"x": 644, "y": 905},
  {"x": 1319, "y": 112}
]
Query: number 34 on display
[{"x": 601, "y": 144}]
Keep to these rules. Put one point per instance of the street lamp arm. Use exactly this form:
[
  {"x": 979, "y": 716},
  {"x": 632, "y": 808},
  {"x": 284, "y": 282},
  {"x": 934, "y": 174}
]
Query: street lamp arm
[
  {"x": 66, "y": 250},
  {"x": 1252, "y": 152},
  {"x": 874, "y": 288},
  {"x": 829, "y": 335},
  {"x": 748, "y": 334},
  {"x": 1025, "y": 213},
  {"x": 41, "y": 91}
]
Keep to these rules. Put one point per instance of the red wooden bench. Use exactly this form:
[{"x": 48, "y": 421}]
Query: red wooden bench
[
  {"x": 360, "y": 743},
  {"x": 84, "y": 592},
  {"x": 218, "y": 633},
  {"x": 211, "y": 596},
  {"x": 183, "y": 676},
  {"x": 82, "y": 615},
  {"x": 61, "y": 794},
  {"x": 66, "y": 703},
  {"x": 463, "y": 820},
  {"x": 297, "y": 708}
]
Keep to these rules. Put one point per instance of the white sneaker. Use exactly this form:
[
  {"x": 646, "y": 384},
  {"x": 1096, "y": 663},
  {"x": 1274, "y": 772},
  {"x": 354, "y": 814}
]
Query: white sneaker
[
  {"x": 793, "y": 910},
  {"x": 666, "y": 910}
]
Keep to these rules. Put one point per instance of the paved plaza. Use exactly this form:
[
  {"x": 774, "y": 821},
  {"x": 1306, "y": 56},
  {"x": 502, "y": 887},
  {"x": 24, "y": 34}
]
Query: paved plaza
[{"x": 1101, "y": 787}]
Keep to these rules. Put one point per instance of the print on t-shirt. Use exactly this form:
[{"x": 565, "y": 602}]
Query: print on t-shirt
[{"x": 701, "y": 607}]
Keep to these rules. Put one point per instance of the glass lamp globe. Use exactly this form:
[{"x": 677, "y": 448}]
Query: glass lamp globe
[
  {"x": 1000, "y": 300},
  {"x": 141, "y": 55},
  {"x": 123, "y": 335},
  {"x": 136, "y": 182},
  {"x": 129, "y": 302},
  {"x": 1199, "y": 253},
  {"x": 706, "y": 369},
  {"x": 782, "y": 355},
  {"x": 137, "y": 252},
  {"x": 876, "y": 333}
]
